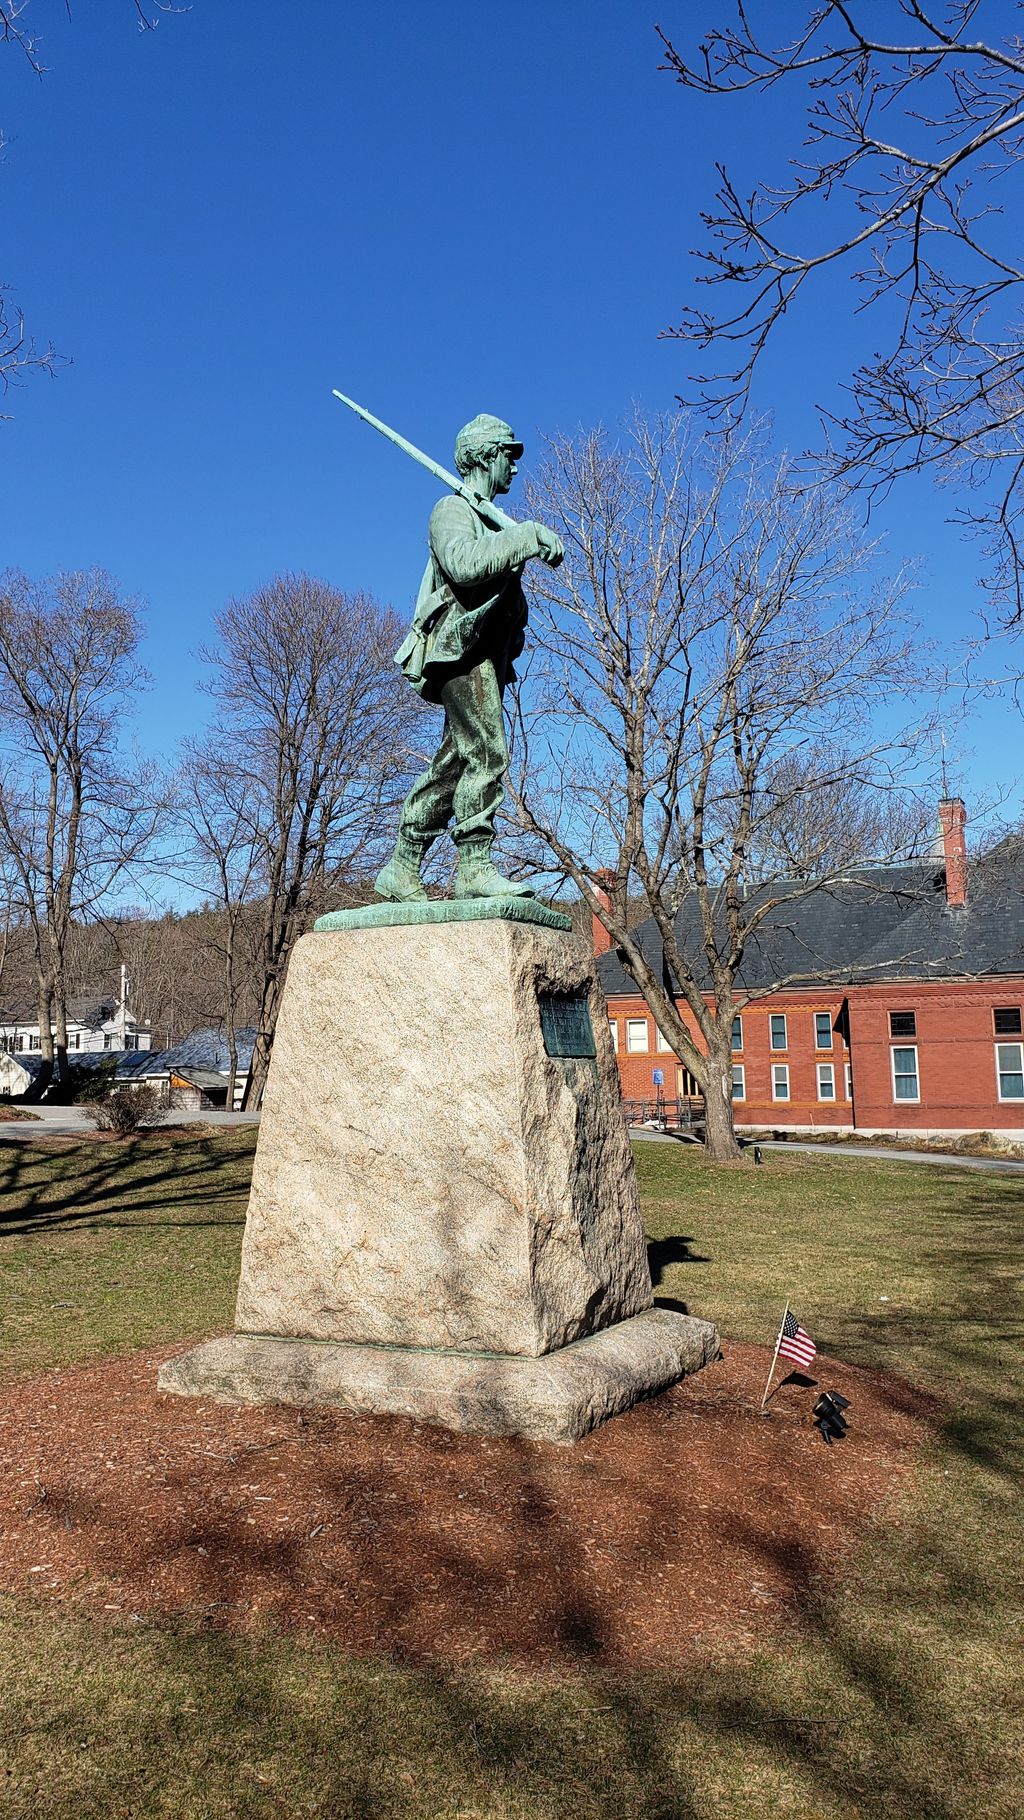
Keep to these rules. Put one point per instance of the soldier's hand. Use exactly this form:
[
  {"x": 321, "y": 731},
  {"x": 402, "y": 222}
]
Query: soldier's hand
[{"x": 550, "y": 548}]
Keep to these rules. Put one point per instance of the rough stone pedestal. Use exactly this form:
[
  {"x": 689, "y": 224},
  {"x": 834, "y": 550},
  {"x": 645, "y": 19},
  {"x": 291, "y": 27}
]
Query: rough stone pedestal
[{"x": 444, "y": 1220}]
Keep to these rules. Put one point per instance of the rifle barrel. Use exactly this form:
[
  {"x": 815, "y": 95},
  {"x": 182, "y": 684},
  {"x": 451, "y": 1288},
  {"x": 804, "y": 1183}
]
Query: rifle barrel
[{"x": 487, "y": 510}]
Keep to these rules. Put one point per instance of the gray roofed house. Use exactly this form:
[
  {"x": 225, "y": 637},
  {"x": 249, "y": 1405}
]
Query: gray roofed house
[
  {"x": 890, "y": 1000},
  {"x": 825, "y": 931},
  {"x": 199, "y": 1065}
]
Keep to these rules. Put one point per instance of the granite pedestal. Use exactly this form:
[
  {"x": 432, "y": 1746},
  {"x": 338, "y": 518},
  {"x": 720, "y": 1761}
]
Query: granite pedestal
[{"x": 444, "y": 1219}]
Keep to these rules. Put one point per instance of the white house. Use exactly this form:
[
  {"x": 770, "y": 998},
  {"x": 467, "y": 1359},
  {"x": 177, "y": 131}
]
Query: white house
[{"x": 95, "y": 1023}]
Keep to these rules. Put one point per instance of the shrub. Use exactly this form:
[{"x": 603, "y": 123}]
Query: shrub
[{"x": 125, "y": 1110}]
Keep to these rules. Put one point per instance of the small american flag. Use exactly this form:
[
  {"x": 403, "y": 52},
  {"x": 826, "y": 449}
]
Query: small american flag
[{"x": 794, "y": 1342}]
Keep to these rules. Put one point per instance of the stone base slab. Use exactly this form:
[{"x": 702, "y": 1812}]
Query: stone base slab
[{"x": 557, "y": 1397}]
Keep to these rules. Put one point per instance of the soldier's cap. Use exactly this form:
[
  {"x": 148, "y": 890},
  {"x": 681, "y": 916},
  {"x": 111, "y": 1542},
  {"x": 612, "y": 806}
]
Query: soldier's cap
[{"x": 484, "y": 433}]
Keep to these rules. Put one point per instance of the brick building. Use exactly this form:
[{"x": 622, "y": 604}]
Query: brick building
[{"x": 890, "y": 1001}]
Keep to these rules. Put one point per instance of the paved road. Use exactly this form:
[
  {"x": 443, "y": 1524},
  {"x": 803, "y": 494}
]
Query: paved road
[
  {"x": 1005, "y": 1165},
  {"x": 941, "y": 1158},
  {"x": 71, "y": 1121}
]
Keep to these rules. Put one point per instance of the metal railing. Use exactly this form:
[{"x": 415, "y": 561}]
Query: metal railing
[{"x": 665, "y": 1115}]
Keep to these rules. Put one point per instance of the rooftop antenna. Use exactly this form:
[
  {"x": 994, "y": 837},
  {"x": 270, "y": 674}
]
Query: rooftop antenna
[{"x": 945, "y": 779}]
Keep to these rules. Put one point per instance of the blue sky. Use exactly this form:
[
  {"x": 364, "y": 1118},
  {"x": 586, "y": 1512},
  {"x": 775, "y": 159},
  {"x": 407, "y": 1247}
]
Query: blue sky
[{"x": 438, "y": 210}]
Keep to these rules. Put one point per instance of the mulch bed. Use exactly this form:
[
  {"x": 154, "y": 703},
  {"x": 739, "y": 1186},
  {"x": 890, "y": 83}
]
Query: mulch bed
[{"x": 688, "y": 1523}]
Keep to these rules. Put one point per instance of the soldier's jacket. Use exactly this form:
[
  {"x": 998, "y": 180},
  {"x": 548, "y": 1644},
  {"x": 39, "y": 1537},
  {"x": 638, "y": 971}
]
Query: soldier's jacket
[{"x": 471, "y": 603}]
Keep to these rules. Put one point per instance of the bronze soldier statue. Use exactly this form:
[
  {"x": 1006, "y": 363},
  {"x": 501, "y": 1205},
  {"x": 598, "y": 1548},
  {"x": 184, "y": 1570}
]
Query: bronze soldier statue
[{"x": 467, "y": 631}]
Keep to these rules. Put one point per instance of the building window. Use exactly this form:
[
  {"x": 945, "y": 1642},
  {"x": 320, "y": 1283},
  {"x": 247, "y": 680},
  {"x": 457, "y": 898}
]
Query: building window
[
  {"x": 109, "y": 1040},
  {"x": 777, "y": 1023},
  {"x": 737, "y": 1032},
  {"x": 35, "y": 1042},
  {"x": 739, "y": 1081},
  {"x": 904, "y": 1075},
  {"x": 903, "y": 1023},
  {"x": 826, "y": 1081},
  {"x": 614, "y": 1028},
  {"x": 636, "y": 1035},
  {"x": 1006, "y": 1020},
  {"x": 823, "y": 1030},
  {"x": 1010, "y": 1070},
  {"x": 848, "y": 1079},
  {"x": 780, "y": 1080},
  {"x": 75, "y": 1039},
  {"x": 661, "y": 1043},
  {"x": 131, "y": 1041}
]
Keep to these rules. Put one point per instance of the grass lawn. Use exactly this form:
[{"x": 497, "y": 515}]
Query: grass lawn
[{"x": 905, "y": 1701}]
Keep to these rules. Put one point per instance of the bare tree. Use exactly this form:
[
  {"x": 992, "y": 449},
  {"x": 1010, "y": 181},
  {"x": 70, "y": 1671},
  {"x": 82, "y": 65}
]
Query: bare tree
[
  {"x": 311, "y": 761},
  {"x": 704, "y": 635},
  {"x": 74, "y": 813},
  {"x": 818, "y": 817},
  {"x": 228, "y": 861},
  {"x": 913, "y": 136}
]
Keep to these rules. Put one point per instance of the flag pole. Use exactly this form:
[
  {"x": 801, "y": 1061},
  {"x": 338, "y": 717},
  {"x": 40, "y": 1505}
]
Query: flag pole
[{"x": 775, "y": 1357}]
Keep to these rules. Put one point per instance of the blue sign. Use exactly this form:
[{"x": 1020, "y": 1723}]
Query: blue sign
[{"x": 659, "y": 1077}]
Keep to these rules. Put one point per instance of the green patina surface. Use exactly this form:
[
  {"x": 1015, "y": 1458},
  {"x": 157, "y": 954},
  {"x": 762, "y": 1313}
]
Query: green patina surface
[
  {"x": 467, "y": 631},
  {"x": 445, "y": 910}
]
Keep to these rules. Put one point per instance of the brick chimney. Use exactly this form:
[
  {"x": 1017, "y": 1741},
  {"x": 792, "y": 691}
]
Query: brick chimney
[
  {"x": 603, "y": 883},
  {"x": 952, "y": 820}
]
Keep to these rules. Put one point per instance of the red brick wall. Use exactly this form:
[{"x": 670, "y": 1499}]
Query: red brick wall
[
  {"x": 803, "y": 1107},
  {"x": 955, "y": 1042},
  {"x": 955, "y": 1052}
]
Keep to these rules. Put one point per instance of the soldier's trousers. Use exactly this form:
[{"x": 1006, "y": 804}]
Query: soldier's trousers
[{"x": 464, "y": 781}]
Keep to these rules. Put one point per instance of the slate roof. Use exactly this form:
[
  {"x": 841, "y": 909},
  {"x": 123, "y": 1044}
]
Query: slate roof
[
  {"x": 208, "y": 1050},
  {"x": 888, "y": 922},
  {"x": 129, "y": 1064},
  {"x": 204, "y": 1052}
]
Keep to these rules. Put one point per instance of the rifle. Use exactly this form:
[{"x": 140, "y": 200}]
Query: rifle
[{"x": 485, "y": 508}]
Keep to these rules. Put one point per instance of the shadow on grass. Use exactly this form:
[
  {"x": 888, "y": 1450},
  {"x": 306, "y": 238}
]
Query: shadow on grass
[
  {"x": 876, "y": 1710},
  {"x": 859, "y": 1718},
  {"x": 676, "y": 1249},
  {"x": 138, "y": 1179}
]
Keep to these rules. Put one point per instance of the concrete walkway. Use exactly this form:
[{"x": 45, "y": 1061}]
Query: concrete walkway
[
  {"x": 72, "y": 1121},
  {"x": 943, "y": 1159},
  {"x": 875, "y": 1153}
]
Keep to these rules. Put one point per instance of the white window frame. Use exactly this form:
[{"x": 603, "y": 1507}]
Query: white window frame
[
  {"x": 775, "y": 1017},
  {"x": 905, "y": 1099},
  {"x": 739, "y": 1090},
  {"x": 829, "y": 1069},
  {"x": 1009, "y": 1099},
  {"x": 779, "y": 1068},
  {"x": 613, "y": 1025},
  {"x": 848, "y": 1079},
  {"x": 637, "y": 1048},
  {"x": 827, "y": 1015},
  {"x": 662, "y": 1046},
  {"x": 737, "y": 1047}
]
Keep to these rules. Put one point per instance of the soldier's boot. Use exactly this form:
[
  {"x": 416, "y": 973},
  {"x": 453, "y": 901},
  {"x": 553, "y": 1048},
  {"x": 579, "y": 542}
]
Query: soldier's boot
[
  {"x": 477, "y": 877},
  {"x": 399, "y": 881}
]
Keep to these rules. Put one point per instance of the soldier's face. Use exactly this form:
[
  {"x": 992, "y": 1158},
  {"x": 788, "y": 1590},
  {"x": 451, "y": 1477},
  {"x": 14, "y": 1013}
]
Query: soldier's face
[{"x": 503, "y": 470}]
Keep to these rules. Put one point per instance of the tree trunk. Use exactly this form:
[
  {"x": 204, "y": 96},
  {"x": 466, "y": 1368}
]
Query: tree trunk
[
  {"x": 259, "y": 1067},
  {"x": 61, "y": 1068},
  {"x": 278, "y": 948},
  {"x": 719, "y": 1129},
  {"x": 38, "y": 1087}
]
